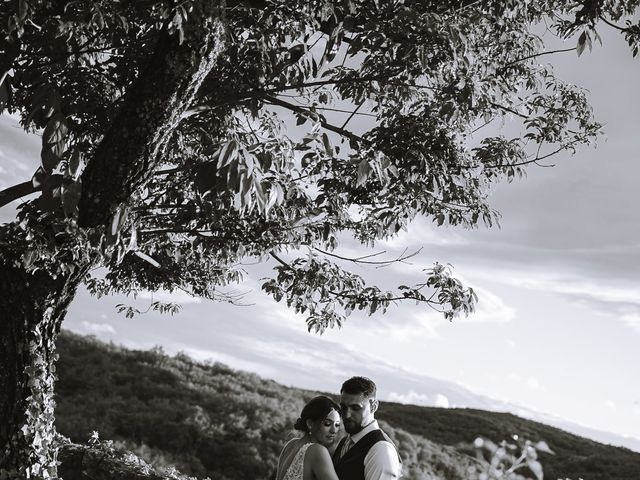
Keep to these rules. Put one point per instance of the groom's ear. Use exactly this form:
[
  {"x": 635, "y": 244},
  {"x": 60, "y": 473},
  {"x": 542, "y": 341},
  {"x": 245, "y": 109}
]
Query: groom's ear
[{"x": 374, "y": 404}]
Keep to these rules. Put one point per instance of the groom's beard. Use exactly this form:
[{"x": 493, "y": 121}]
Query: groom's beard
[{"x": 351, "y": 427}]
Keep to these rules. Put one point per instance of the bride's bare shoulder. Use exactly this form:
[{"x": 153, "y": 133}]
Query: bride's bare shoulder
[{"x": 317, "y": 452}]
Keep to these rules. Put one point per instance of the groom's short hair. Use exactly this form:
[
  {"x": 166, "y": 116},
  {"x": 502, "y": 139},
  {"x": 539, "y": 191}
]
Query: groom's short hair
[{"x": 359, "y": 386}]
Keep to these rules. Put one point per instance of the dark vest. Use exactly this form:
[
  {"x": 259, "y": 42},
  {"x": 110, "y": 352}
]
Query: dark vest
[{"x": 351, "y": 466}]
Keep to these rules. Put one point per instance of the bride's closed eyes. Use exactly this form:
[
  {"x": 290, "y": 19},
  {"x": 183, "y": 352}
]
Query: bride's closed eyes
[{"x": 327, "y": 423}]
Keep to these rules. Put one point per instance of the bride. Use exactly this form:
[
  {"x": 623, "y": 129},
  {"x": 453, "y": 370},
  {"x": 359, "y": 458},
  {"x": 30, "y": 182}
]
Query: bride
[{"x": 308, "y": 457}]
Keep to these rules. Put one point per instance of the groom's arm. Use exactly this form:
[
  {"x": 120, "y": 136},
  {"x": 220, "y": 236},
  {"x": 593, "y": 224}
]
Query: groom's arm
[{"x": 382, "y": 462}]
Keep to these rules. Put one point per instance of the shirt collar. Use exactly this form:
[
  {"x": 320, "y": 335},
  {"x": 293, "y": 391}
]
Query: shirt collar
[{"x": 369, "y": 428}]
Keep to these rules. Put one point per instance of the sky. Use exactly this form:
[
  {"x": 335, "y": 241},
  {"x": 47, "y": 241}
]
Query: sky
[{"x": 556, "y": 335}]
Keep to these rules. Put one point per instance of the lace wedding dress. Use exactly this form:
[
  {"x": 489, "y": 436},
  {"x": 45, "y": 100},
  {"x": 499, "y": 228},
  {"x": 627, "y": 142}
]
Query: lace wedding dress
[{"x": 296, "y": 469}]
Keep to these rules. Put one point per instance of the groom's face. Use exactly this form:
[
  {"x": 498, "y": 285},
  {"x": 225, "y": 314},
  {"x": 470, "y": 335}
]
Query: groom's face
[{"x": 357, "y": 411}]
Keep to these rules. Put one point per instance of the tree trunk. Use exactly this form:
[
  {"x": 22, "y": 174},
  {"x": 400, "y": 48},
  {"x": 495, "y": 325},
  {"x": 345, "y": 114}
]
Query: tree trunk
[
  {"x": 33, "y": 304},
  {"x": 152, "y": 109}
]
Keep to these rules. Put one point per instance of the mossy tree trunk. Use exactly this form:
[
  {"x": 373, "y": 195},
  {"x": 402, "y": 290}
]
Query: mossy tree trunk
[{"x": 33, "y": 306}]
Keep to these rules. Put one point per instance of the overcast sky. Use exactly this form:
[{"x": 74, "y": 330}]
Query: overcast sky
[{"x": 558, "y": 325}]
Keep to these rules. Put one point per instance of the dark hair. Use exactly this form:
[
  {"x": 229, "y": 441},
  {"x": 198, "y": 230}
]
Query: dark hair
[
  {"x": 316, "y": 409},
  {"x": 359, "y": 386}
]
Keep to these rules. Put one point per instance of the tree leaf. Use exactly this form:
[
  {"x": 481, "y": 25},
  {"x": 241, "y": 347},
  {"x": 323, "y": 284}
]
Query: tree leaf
[
  {"x": 147, "y": 258},
  {"x": 364, "y": 170},
  {"x": 73, "y": 165},
  {"x": 273, "y": 198},
  {"x": 119, "y": 218},
  {"x": 227, "y": 153},
  {"x": 542, "y": 446},
  {"x": 4, "y": 95},
  {"x": 582, "y": 43},
  {"x": 296, "y": 52},
  {"x": 535, "y": 467},
  {"x": 71, "y": 192},
  {"x": 39, "y": 177},
  {"x": 53, "y": 141},
  {"x": 327, "y": 145},
  {"x": 49, "y": 160}
]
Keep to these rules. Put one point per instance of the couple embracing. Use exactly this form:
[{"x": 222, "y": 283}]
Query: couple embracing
[{"x": 366, "y": 453}]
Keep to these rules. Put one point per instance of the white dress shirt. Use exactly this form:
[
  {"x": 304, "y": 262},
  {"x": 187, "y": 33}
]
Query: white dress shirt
[{"x": 381, "y": 461}]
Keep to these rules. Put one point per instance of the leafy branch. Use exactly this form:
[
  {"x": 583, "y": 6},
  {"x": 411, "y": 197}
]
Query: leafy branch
[{"x": 327, "y": 294}]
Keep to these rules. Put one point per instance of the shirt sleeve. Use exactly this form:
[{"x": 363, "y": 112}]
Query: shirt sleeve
[{"x": 381, "y": 462}]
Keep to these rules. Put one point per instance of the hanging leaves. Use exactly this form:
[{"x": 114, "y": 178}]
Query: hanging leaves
[{"x": 70, "y": 195}]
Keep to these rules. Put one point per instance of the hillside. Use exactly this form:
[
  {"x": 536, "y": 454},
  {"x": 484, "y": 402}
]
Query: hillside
[
  {"x": 575, "y": 457},
  {"x": 210, "y": 420}
]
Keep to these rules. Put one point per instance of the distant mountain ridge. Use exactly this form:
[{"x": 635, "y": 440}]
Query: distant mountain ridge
[
  {"x": 427, "y": 391},
  {"x": 403, "y": 385},
  {"x": 210, "y": 420}
]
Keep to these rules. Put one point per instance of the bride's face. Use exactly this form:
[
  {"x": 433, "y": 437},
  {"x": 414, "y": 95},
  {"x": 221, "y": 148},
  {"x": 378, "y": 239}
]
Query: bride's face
[{"x": 325, "y": 431}]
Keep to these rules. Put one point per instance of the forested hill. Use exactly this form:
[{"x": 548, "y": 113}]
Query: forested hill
[{"x": 210, "y": 420}]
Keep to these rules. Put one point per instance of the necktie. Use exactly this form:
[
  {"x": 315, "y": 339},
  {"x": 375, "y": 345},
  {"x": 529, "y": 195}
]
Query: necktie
[{"x": 347, "y": 445}]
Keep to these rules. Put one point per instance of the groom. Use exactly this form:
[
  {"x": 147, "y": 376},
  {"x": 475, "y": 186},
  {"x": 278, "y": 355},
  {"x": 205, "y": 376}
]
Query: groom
[{"x": 366, "y": 453}]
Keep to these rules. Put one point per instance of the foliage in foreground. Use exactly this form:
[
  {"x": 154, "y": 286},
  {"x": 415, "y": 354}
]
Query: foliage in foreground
[{"x": 209, "y": 420}]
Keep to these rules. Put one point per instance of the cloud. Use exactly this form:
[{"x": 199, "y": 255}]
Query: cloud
[
  {"x": 304, "y": 357},
  {"x": 530, "y": 382},
  {"x": 632, "y": 320},
  {"x": 414, "y": 398},
  {"x": 98, "y": 328},
  {"x": 490, "y": 309},
  {"x": 610, "y": 404},
  {"x": 441, "y": 401},
  {"x": 204, "y": 355},
  {"x": 426, "y": 322},
  {"x": 579, "y": 287},
  {"x": 605, "y": 296},
  {"x": 411, "y": 397}
]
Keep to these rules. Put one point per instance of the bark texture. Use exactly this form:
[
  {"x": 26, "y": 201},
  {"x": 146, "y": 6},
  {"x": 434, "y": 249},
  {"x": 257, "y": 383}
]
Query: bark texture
[
  {"x": 33, "y": 306},
  {"x": 134, "y": 145}
]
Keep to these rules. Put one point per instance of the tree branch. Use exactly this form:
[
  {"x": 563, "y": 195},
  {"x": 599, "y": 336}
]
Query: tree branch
[
  {"x": 15, "y": 192},
  {"x": 537, "y": 158},
  {"x": 510, "y": 110},
  {"x": 363, "y": 259},
  {"x": 529, "y": 57},
  {"x": 255, "y": 93},
  {"x": 611, "y": 24},
  {"x": 323, "y": 122},
  {"x": 353, "y": 113},
  {"x": 429, "y": 301}
]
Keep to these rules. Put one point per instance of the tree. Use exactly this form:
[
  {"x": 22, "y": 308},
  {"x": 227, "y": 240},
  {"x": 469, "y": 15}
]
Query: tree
[{"x": 165, "y": 162}]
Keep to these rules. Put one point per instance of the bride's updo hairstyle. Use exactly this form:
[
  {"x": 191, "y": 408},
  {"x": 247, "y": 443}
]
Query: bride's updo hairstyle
[{"x": 316, "y": 409}]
